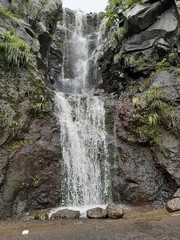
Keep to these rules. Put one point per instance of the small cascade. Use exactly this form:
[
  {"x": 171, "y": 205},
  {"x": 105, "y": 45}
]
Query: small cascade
[{"x": 86, "y": 177}]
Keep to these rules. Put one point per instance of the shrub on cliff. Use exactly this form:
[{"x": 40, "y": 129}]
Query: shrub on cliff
[
  {"x": 15, "y": 50},
  {"x": 113, "y": 7}
]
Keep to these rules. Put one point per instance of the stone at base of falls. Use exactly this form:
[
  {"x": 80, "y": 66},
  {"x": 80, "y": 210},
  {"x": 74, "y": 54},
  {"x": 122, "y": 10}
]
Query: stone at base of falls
[
  {"x": 68, "y": 214},
  {"x": 114, "y": 211},
  {"x": 53, "y": 216},
  {"x": 177, "y": 194},
  {"x": 173, "y": 205},
  {"x": 40, "y": 215},
  {"x": 97, "y": 213}
]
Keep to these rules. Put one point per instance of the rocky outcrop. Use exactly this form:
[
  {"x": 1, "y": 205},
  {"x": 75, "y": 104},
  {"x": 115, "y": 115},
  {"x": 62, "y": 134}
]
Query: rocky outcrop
[
  {"x": 29, "y": 141},
  {"x": 143, "y": 70},
  {"x": 147, "y": 170},
  {"x": 143, "y": 44}
]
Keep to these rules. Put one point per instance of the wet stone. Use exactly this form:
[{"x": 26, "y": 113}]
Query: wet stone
[
  {"x": 173, "y": 205},
  {"x": 68, "y": 214},
  {"x": 40, "y": 215},
  {"x": 114, "y": 211},
  {"x": 97, "y": 213}
]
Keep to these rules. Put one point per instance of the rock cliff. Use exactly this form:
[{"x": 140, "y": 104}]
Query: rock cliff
[
  {"x": 29, "y": 151},
  {"x": 140, "y": 65}
]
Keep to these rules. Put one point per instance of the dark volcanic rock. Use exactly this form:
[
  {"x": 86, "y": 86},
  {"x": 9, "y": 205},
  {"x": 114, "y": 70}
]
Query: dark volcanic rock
[
  {"x": 163, "y": 28},
  {"x": 140, "y": 17},
  {"x": 97, "y": 213},
  {"x": 29, "y": 140},
  {"x": 143, "y": 172},
  {"x": 68, "y": 214},
  {"x": 148, "y": 41}
]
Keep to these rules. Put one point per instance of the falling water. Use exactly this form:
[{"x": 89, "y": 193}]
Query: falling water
[{"x": 85, "y": 178}]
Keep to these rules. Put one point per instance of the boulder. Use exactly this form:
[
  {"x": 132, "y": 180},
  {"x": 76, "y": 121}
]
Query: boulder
[
  {"x": 68, "y": 214},
  {"x": 140, "y": 17},
  {"x": 96, "y": 213},
  {"x": 114, "y": 211},
  {"x": 53, "y": 216},
  {"x": 177, "y": 194},
  {"x": 164, "y": 27},
  {"x": 173, "y": 205},
  {"x": 40, "y": 215}
]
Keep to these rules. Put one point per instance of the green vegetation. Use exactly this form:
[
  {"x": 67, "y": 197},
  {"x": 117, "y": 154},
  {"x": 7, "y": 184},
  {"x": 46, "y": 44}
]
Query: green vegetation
[
  {"x": 118, "y": 56},
  {"x": 164, "y": 65},
  {"x": 9, "y": 14},
  {"x": 151, "y": 114},
  {"x": 114, "y": 6},
  {"x": 16, "y": 52},
  {"x": 36, "y": 181}
]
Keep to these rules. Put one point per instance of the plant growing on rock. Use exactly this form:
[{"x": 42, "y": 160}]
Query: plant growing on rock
[
  {"x": 15, "y": 50},
  {"x": 111, "y": 13},
  {"x": 9, "y": 14},
  {"x": 151, "y": 113}
]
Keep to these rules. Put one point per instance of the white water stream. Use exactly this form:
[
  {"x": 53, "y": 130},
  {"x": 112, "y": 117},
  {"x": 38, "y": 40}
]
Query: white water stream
[{"x": 86, "y": 177}]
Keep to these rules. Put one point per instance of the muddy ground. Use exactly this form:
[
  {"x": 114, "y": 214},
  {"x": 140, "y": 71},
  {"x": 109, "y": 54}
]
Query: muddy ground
[{"x": 138, "y": 224}]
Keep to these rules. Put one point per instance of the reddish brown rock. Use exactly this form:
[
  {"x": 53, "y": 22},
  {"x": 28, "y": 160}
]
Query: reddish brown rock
[{"x": 40, "y": 215}]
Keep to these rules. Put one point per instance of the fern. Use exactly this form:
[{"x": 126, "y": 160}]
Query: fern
[
  {"x": 153, "y": 119},
  {"x": 16, "y": 51}
]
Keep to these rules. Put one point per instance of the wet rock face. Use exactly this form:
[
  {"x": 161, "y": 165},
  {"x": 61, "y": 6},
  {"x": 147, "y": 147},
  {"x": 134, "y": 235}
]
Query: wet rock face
[
  {"x": 145, "y": 61},
  {"x": 142, "y": 171},
  {"x": 148, "y": 42},
  {"x": 29, "y": 140},
  {"x": 32, "y": 176}
]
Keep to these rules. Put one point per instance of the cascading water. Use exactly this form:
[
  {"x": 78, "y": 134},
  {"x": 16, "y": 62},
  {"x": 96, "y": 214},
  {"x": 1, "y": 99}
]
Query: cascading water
[{"x": 86, "y": 179}]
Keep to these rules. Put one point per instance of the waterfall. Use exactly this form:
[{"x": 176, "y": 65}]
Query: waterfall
[{"x": 86, "y": 177}]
